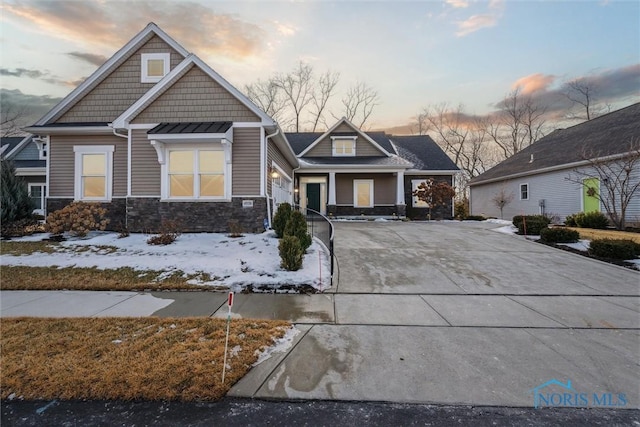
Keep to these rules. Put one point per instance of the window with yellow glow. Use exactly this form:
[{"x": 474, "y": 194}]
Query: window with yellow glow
[
  {"x": 363, "y": 193},
  {"x": 196, "y": 174},
  {"x": 344, "y": 147},
  {"x": 94, "y": 176}
]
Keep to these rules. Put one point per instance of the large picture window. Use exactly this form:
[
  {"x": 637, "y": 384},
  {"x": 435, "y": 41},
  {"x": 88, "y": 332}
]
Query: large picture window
[
  {"x": 93, "y": 177},
  {"x": 363, "y": 193},
  {"x": 196, "y": 174}
]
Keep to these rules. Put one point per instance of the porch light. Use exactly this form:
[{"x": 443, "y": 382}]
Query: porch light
[{"x": 273, "y": 172}]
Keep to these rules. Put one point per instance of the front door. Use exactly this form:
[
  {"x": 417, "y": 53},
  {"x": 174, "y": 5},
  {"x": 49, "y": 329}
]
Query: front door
[
  {"x": 313, "y": 196},
  {"x": 590, "y": 191}
]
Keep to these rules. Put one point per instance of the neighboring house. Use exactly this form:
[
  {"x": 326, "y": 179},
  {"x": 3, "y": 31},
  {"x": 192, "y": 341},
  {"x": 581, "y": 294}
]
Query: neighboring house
[
  {"x": 29, "y": 158},
  {"x": 539, "y": 178},
  {"x": 155, "y": 134},
  {"x": 348, "y": 172}
]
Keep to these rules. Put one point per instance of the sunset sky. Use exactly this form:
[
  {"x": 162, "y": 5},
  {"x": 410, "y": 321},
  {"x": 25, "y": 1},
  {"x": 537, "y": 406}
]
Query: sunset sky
[{"x": 413, "y": 53}]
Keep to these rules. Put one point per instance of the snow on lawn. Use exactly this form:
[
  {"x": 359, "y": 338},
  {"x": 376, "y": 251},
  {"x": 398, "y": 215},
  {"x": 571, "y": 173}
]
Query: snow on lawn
[{"x": 231, "y": 262}]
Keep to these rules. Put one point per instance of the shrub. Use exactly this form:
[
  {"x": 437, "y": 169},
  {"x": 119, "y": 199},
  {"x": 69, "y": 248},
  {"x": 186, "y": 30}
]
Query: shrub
[
  {"x": 474, "y": 218},
  {"x": 461, "y": 209},
  {"x": 297, "y": 226},
  {"x": 559, "y": 235},
  {"x": 170, "y": 232},
  {"x": 281, "y": 218},
  {"x": 570, "y": 220},
  {"x": 235, "y": 228},
  {"x": 291, "y": 253},
  {"x": 592, "y": 220},
  {"x": 22, "y": 227},
  {"x": 15, "y": 202},
  {"x": 614, "y": 248},
  {"x": 532, "y": 224},
  {"x": 77, "y": 218}
]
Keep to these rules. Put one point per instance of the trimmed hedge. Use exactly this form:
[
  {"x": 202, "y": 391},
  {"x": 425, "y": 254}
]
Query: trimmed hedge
[
  {"x": 559, "y": 235},
  {"x": 533, "y": 223},
  {"x": 474, "y": 218},
  {"x": 614, "y": 248}
]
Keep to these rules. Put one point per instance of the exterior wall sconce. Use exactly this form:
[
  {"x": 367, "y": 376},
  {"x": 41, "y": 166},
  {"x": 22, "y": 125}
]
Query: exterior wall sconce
[{"x": 273, "y": 172}]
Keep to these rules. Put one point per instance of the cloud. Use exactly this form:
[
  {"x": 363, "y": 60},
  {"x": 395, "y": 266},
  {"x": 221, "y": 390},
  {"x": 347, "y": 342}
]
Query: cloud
[
  {"x": 36, "y": 106},
  {"x": 285, "y": 29},
  {"x": 533, "y": 83},
  {"x": 103, "y": 24},
  {"x": 458, "y": 4},
  {"x": 478, "y": 22},
  {"x": 91, "y": 58},
  {"x": 44, "y": 76}
]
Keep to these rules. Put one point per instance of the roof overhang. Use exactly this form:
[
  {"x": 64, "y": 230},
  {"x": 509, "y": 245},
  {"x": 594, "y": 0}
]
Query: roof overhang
[
  {"x": 66, "y": 130},
  {"x": 305, "y": 167},
  {"x": 31, "y": 171},
  {"x": 280, "y": 140},
  {"x": 431, "y": 172}
]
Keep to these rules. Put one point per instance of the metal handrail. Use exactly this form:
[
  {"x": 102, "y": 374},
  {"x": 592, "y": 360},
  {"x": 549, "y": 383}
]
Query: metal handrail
[{"x": 326, "y": 238}]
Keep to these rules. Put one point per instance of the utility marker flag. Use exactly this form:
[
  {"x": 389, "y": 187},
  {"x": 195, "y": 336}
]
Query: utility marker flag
[{"x": 226, "y": 341}]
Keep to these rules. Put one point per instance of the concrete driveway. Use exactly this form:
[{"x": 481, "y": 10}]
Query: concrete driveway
[{"x": 455, "y": 313}]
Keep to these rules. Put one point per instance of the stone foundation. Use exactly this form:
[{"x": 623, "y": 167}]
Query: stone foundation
[
  {"x": 147, "y": 215},
  {"x": 351, "y": 211}
]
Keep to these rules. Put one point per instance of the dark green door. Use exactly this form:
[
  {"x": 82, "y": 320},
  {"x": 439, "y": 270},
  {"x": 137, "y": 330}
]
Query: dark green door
[{"x": 313, "y": 197}]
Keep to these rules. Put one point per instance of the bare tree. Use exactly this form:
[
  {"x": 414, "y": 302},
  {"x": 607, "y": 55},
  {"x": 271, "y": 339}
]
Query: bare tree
[
  {"x": 502, "y": 199},
  {"x": 267, "y": 95},
  {"x": 518, "y": 123},
  {"x": 583, "y": 93},
  {"x": 619, "y": 178},
  {"x": 358, "y": 103},
  {"x": 12, "y": 118},
  {"x": 421, "y": 124},
  {"x": 297, "y": 87},
  {"x": 326, "y": 86}
]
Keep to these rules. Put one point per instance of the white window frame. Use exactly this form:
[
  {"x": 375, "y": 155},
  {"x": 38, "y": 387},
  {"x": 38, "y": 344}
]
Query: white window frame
[
  {"x": 526, "y": 184},
  {"x": 226, "y": 173},
  {"x": 42, "y": 151},
  {"x": 107, "y": 150},
  {"x": 335, "y": 153},
  {"x": 415, "y": 202},
  {"x": 355, "y": 192},
  {"x": 146, "y": 57},
  {"x": 43, "y": 195}
]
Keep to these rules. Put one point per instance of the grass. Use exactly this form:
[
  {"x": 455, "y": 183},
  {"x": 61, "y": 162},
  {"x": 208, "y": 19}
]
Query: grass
[
  {"x": 591, "y": 234},
  {"x": 94, "y": 279},
  {"x": 126, "y": 358},
  {"x": 27, "y": 248}
]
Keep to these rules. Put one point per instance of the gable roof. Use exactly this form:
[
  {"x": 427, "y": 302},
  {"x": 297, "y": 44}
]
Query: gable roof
[
  {"x": 607, "y": 135},
  {"x": 8, "y": 144},
  {"x": 356, "y": 132},
  {"x": 172, "y": 77},
  {"x": 423, "y": 152},
  {"x": 105, "y": 68}
]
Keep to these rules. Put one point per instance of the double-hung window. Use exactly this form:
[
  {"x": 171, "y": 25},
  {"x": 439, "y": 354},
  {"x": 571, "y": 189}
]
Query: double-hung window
[
  {"x": 524, "y": 191},
  {"x": 196, "y": 174},
  {"x": 37, "y": 192},
  {"x": 93, "y": 172}
]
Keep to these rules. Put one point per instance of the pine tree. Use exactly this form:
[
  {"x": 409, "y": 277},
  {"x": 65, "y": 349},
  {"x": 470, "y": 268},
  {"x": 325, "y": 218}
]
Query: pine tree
[
  {"x": 15, "y": 203},
  {"x": 297, "y": 226}
]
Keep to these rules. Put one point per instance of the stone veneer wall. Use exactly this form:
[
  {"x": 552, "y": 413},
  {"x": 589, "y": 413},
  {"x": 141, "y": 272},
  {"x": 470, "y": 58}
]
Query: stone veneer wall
[
  {"x": 116, "y": 211},
  {"x": 147, "y": 214},
  {"x": 374, "y": 211}
]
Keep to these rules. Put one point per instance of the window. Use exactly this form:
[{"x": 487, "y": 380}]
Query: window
[
  {"x": 524, "y": 191},
  {"x": 93, "y": 177},
  {"x": 37, "y": 192},
  {"x": 417, "y": 203},
  {"x": 154, "y": 66},
  {"x": 196, "y": 174},
  {"x": 344, "y": 146},
  {"x": 363, "y": 193}
]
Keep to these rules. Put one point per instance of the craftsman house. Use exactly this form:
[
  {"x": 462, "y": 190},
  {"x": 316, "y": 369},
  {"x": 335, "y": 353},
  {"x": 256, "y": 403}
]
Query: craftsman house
[
  {"x": 554, "y": 175},
  {"x": 155, "y": 134},
  {"x": 28, "y": 156},
  {"x": 346, "y": 172}
]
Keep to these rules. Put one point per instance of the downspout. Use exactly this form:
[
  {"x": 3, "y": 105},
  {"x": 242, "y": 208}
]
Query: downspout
[
  {"x": 115, "y": 132},
  {"x": 266, "y": 140}
]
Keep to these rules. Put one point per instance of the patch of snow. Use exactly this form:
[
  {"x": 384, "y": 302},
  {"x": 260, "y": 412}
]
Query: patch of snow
[
  {"x": 381, "y": 220},
  {"x": 635, "y": 262},
  {"x": 198, "y": 254},
  {"x": 280, "y": 345},
  {"x": 498, "y": 221},
  {"x": 507, "y": 229},
  {"x": 234, "y": 351},
  {"x": 116, "y": 341},
  {"x": 38, "y": 237},
  {"x": 581, "y": 245}
]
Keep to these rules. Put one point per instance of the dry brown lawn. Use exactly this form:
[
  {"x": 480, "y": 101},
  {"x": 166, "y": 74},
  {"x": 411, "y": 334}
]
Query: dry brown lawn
[
  {"x": 127, "y": 358},
  {"x": 590, "y": 234},
  {"x": 26, "y": 248},
  {"x": 94, "y": 279}
]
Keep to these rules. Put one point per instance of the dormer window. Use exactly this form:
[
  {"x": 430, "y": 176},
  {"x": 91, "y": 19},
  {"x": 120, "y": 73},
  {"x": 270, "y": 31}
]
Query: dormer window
[
  {"x": 344, "y": 146},
  {"x": 154, "y": 66}
]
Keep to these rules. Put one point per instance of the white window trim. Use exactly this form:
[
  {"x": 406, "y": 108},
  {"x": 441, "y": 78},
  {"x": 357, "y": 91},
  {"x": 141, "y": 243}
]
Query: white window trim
[
  {"x": 342, "y": 138},
  {"x": 79, "y": 150},
  {"x": 355, "y": 192},
  {"x": 166, "y": 57},
  {"x": 164, "y": 168},
  {"x": 43, "y": 195},
  {"x": 520, "y": 191},
  {"x": 415, "y": 202}
]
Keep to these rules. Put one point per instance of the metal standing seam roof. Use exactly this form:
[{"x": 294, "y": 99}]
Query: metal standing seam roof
[{"x": 191, "y": 127}]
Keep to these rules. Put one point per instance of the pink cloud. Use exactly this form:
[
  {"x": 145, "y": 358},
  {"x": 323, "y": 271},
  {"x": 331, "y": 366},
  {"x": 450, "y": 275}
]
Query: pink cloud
[
  {"x": 533, "y": 83},
  {"x": 475, "y": 23}
]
